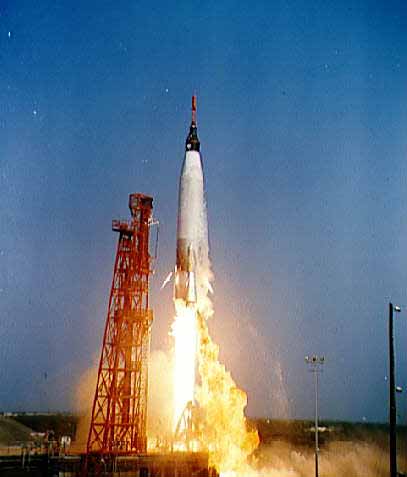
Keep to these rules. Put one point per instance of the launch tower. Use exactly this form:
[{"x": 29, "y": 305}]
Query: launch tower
[{"x": 119, "y": 413}]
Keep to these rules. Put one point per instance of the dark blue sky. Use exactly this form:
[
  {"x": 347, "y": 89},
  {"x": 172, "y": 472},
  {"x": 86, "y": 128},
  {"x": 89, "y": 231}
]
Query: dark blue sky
[{"x": 302, "y": 115}]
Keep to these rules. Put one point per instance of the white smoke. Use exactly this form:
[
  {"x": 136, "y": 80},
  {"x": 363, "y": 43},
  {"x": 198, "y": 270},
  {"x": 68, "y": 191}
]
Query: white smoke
[
  {"x": 339, "y": 459},
  {"x": 159, "y": 421}
]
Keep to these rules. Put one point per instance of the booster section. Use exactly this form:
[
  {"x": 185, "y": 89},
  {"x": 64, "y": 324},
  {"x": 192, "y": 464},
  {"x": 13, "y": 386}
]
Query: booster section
[{"x": 191, "y": 222}]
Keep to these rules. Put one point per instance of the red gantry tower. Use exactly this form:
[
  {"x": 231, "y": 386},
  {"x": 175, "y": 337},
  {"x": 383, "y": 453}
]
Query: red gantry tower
[{"x": 119, "y": 413}]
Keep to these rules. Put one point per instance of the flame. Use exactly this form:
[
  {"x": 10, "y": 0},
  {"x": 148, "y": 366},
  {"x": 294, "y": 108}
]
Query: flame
[
  {"x": 185, "y": 333},
  {"x": 226, "y": 435},
  {"x": 224, "y": 432}
]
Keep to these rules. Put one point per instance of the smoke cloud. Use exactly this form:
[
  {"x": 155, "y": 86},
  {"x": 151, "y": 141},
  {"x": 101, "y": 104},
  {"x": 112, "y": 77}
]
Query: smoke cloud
[
  {"x": 159, "y": 422},
  {"x": 339, "y": 459},
  {"x": 83, "y": 401}
]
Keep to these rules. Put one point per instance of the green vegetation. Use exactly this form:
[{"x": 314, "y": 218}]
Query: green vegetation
[
  {"x": 301, "y": 432},
  {"x": 61, "y": 424},
  {"x": 12, "y": 432}
]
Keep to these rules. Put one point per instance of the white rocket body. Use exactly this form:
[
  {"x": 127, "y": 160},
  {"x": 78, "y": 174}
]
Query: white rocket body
[{"x": 192, "y": 223}]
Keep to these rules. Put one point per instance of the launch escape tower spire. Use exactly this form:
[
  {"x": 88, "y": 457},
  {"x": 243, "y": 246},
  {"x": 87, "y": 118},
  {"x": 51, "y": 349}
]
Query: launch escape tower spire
[
  {"x": 119, "y": 412},
  {"x": 192, "y": 142}
]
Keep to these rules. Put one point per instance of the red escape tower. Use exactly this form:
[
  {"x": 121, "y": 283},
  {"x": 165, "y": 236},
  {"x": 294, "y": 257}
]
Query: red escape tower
[{"x": 119, "y": 413}]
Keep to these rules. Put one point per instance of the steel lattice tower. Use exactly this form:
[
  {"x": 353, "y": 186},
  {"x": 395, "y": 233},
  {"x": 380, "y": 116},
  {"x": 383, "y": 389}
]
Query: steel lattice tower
[{"x": 119, "y": 413}]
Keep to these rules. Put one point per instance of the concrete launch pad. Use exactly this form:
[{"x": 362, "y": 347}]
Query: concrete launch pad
[
  {"x": 175, "y": 464},
  {"x": 172, "y": 464}
]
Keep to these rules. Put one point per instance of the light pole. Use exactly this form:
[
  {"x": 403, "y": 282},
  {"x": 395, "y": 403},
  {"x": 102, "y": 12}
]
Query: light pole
[
  {"x": 392, "y": 395},
  {"x": 402, "y": 390},
  {"x": 315, "y": 365}
]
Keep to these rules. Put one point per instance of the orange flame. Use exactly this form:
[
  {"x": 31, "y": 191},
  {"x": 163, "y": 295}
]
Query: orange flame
[{"x": 227, "y": 438}]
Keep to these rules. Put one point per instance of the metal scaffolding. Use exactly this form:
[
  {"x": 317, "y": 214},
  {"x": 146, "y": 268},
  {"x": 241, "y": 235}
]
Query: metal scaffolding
[{"x": 119, "y": 413}]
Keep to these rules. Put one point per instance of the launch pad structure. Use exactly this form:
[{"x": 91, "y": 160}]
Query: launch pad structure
[{"x": 119, "y": 414}]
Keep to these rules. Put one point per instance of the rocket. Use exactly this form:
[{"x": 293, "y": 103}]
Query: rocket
[{"x": 191, "y": 221}]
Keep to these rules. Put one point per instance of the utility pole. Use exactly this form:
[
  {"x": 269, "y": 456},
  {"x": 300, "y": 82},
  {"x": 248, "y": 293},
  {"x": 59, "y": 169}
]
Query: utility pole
[
  {"x": 315, "y": 364},
  {"x": 392, "y": 395}
]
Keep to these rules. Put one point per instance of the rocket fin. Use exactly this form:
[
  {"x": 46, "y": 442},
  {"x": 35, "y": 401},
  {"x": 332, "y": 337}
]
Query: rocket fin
[{"x": 167, "y": 280}]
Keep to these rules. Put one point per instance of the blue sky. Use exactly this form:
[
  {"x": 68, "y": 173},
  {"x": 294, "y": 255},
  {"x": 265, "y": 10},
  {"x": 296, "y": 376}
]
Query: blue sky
[{"x": 302, "y": 117}]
